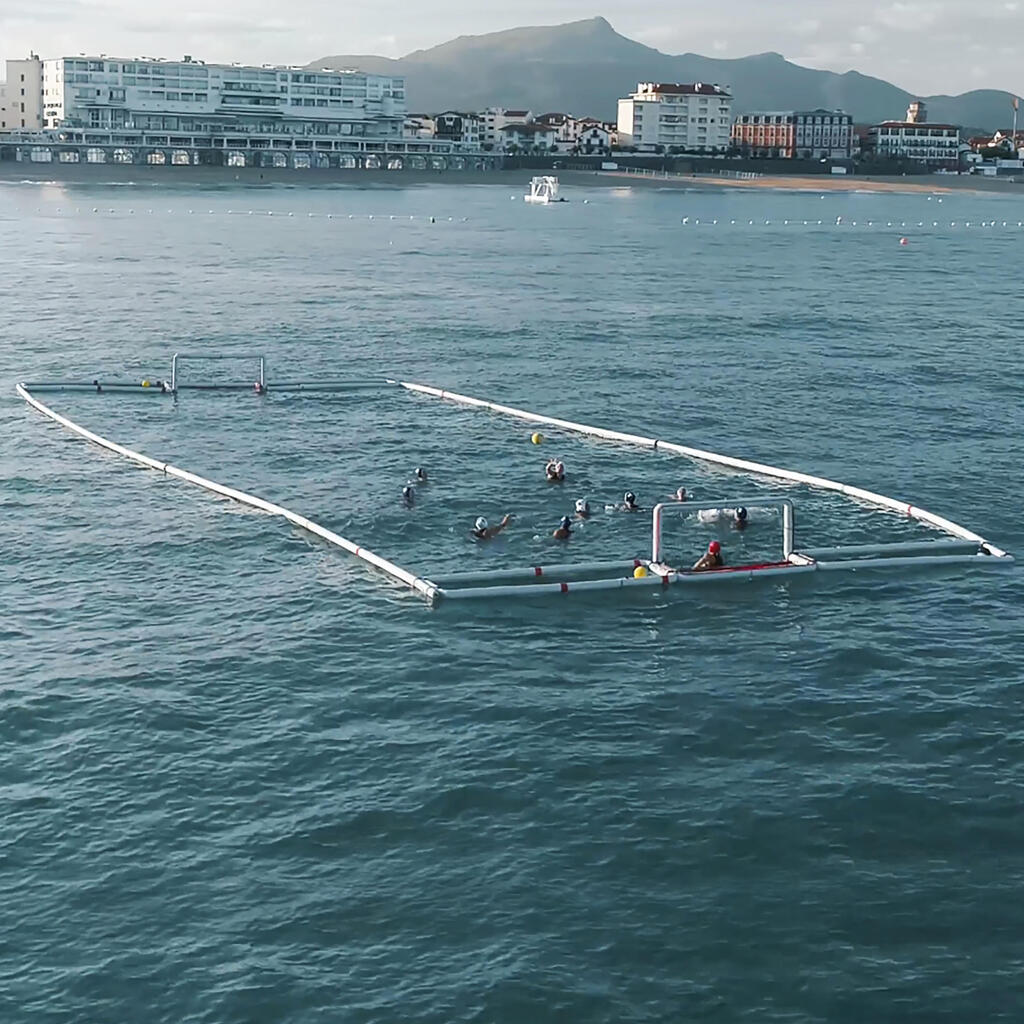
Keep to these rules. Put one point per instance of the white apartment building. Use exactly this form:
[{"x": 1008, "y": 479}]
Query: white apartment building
[
  {"x": 528, "y": 138},
  {"x": 494, "y": 119},
  {"x": 21, "y": 96},
  {"x": 593, "y": 137},
  {"x": 670, "y": 116},
  {"x": 190, "y": 96}
]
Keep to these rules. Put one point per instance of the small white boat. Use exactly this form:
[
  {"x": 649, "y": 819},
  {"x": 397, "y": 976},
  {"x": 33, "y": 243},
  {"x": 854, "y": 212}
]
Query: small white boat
[{"x": 544, "y": 189}]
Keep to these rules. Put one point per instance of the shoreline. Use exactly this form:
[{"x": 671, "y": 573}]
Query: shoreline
[{"x": 200, "y": 177}]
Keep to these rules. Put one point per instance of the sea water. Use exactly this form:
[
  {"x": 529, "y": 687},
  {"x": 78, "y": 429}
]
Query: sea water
[{"x": 246, "y": 779}]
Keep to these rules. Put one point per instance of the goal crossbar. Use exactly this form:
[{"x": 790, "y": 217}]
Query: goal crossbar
[
  {"x": 685, "y": 507},
  {"x": 180, "y": 357}
]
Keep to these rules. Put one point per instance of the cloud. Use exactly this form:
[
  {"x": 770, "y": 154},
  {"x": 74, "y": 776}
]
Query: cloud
[{"x": 908, "y": 16}]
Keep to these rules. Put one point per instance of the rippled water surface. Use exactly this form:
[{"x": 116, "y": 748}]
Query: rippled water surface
[{"x": 245, "y": 779}]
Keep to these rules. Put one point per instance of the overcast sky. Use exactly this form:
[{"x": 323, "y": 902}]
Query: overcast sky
[{"x": 925, "y": 46}]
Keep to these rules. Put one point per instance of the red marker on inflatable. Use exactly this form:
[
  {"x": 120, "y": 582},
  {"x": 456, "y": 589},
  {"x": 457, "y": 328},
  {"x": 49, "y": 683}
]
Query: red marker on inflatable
[{"x": 904, "y": 241}]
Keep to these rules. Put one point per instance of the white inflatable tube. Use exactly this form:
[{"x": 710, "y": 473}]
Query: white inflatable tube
[
  {"x": 422, "y": 586},
  {"x": 744, "y": 465},
  {"x": 742, "y": 574},
  {"x": 917, "y": 561},
  {"x": 565, "y": 587},
  {"x": 531, "y": 572},
  {"x": 925, "y": 547}
]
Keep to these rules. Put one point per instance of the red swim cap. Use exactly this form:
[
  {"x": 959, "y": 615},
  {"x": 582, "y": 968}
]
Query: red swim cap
[{"x": 714, "y": 547}]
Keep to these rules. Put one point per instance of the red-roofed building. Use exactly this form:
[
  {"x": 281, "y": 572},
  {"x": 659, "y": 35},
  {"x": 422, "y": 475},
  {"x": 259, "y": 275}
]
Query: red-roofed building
[{"x": 666, "y": 116}]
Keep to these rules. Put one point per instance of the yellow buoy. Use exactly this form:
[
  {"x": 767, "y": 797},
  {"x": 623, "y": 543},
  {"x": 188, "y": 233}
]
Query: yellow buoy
[
  {"x": 639, "y": 572},
  {"x": 537, "y": 438},
  {"x": 145, "y": 383}
]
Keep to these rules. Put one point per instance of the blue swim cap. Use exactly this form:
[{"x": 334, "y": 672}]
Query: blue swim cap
[
  {"x": 741, "y": 513},
  {"x": 566, "y": 523}
]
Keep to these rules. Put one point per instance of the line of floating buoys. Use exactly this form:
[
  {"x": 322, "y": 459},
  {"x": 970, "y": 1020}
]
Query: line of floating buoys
[{"x": 841, "y": 223}]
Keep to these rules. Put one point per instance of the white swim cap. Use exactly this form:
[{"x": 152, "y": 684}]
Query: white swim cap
[
  {"x": 481, "y": 523},
  {"x": 582, "y": 505}
]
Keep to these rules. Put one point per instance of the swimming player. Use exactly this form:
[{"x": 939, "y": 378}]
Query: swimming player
[
  {"x": 711, "y": 559},
  {"x": 582, "y": 508},
  {"x": 564, "y": 530},
  {"x": 408, "y": 496},
  {"x": 680, "y": 494},
  {"x": 741, "y": 518},
  {"x": 629, "y": 503},
  {"x": 481, "y": 531},
  {"x": 554, "y": 471},
  {"x": 421, "y": 475}
]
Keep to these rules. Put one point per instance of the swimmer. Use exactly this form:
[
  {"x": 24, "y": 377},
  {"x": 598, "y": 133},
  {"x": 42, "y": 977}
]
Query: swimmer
[
  {"x": 408, "y": 496},
  {"x": 258, "y": 388},
  {"x": 582, "y": 508},
  {"x": 554, "y": 471},
  {"x": 421, "y": 475},
  {"x": 712, "y": 515},
  {"x": 481, "y": 531},
  {"x": 741, "y": 519},
  {"x": 711, "y": 559},
  {"x": 680, "y": 494},
  {"x": 628, "y": 504},
  {"x": 564, "y": 531}
]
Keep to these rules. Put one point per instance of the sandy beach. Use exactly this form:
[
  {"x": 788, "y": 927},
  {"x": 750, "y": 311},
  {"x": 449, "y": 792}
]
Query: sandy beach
[
  {"x": 930, "y": 183},
  {"x": 193, "y": 177}
]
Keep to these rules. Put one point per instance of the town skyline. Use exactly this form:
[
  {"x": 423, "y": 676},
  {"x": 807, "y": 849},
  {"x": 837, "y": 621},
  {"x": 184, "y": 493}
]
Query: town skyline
[{"x": 966, "y": 48}]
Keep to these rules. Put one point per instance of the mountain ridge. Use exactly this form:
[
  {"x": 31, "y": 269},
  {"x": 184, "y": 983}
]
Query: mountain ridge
[{"x": 585, "y": 66}]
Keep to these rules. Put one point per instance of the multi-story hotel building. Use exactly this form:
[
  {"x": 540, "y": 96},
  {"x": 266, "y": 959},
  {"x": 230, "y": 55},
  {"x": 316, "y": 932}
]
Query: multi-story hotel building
[
  {"x": 670, "y": 116},
  {"x": 188, "y": 95},
  {"x": 823, "y": 134},
  {"x": 808, "y": 134},
  {"x": 936, "y": 145},
  {"x": 114, "y": 110},
  {"x": 765, "y": 133}
]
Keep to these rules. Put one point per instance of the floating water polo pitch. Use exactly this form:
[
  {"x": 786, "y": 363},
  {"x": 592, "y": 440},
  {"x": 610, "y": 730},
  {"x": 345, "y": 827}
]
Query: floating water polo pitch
[{"x": 958, "y": 547}]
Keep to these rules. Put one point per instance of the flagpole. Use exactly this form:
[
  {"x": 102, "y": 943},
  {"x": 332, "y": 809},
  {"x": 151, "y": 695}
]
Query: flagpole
[{"x": 1013, "y": 134}]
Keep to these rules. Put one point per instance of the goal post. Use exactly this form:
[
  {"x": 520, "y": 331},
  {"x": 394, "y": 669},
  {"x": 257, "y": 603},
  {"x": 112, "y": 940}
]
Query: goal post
[
  {"x": 784, "y": 505},
  {"x": 256, "y": 360}
]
